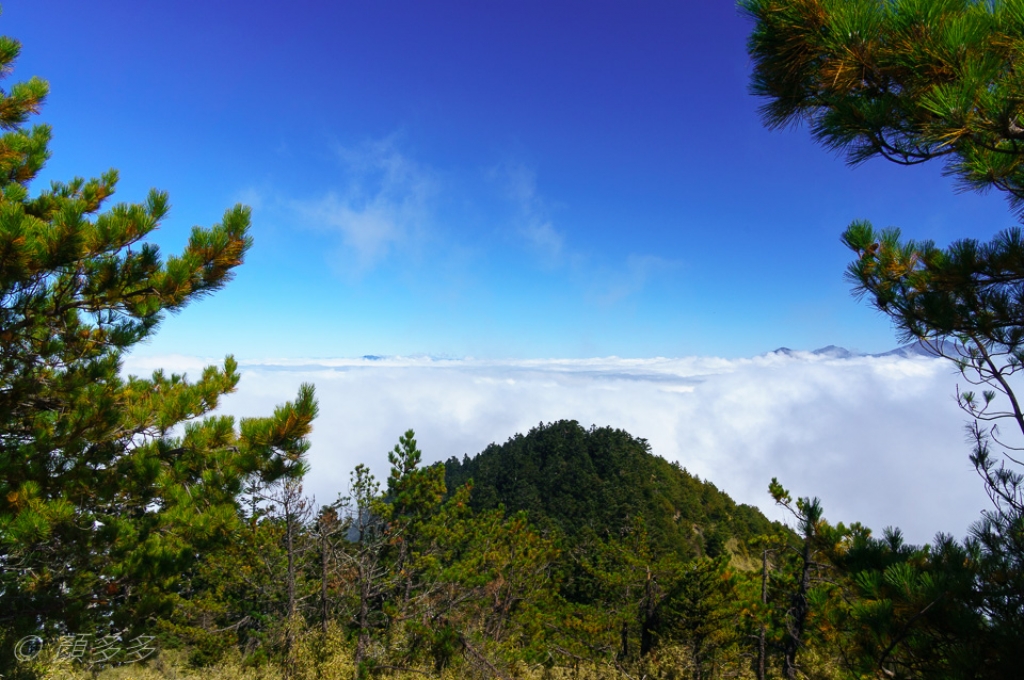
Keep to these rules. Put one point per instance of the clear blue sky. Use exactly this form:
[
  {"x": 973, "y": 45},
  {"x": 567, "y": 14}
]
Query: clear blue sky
[{"x": 494, "y": 179}]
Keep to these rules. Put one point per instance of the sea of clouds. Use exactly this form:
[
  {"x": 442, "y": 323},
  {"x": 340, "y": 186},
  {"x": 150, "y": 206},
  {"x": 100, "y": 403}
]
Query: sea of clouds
[{"x": 879, "y": 439}]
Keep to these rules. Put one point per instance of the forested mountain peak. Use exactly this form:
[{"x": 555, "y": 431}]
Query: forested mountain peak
[{"x": 595, "y": 481}]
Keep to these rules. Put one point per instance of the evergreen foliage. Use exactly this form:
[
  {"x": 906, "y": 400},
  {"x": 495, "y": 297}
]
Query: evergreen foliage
[
  {"x": 109, "y": 486},
  {"x": 594, "y": 482},
  {"x": 912, "y": 81},
  {"x": 907, "y": 80}
]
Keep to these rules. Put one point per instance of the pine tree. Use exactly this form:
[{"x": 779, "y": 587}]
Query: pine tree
[
  {"x": 109, "y": 485},
  {"x": 912, "y": 81},
  {"x": 906, "y": 80},
  {"x": 912, "y": 611}
]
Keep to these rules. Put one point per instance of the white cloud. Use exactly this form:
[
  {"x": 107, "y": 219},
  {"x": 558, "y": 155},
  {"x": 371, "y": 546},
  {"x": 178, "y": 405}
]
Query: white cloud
[
  {"x": 532, "y": 220},
  {"x": 880, "y": 440},
  {"x": 631, "y": 278},
  {"x": 604, "y": 285},
  {"x": 543, "y": 237},
  {"x": 386, "y": 205},
  {"x": 252, "y": 197}
]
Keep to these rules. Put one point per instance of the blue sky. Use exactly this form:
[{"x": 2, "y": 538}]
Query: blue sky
[{"x": 491, "y": 179}]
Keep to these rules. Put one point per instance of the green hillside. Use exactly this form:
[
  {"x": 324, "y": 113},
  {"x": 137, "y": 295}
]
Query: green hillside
[{"x": 587, "y": 482}]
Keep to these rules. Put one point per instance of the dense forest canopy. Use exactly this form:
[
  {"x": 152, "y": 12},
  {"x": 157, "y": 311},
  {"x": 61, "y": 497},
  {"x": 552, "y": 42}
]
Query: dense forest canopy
[{"x": 592, "y": 482}]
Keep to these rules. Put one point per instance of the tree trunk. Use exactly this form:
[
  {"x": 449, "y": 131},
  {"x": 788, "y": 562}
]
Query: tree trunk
[
  {"x": 797, "y": 616},
  {"x": 762, "y": 635},
  {"x": 648, "y": 615},
  {"x": 324, "y": 544},
  {"x": 363, "y": 641},
  {"x": 290, "y": 545}
]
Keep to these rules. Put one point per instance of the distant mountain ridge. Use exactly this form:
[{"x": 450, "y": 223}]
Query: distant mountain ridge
[{"x": 913, "y": 350}]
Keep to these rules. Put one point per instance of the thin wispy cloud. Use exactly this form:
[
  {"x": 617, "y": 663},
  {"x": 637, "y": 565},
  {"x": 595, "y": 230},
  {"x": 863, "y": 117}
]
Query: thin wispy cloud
[
  {"x": 532, "y": 218},
  {"x": 879, "y": 439},
  {"x": 385, "y": 205},
  {"x": 252, "y": 197},
  {"x": 630, "y": 278},
  {"x": 602, "y": 283},
  {"x": 543, "y": 237}
]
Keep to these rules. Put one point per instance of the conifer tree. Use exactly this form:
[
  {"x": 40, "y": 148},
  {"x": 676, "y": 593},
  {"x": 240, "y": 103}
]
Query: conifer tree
[
  {"x": 367, "y": 573},
  {"x": 808, "y": 513},
  {"x": 906, "y": 80},
  {"x": 912, "y": 81},
  {"x": 109, "y": 485}
]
